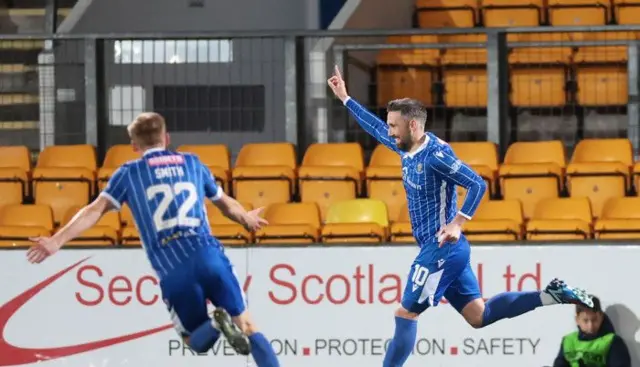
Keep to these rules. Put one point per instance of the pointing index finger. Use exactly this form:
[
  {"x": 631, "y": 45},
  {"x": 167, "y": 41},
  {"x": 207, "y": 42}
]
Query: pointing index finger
[{"x": 337, "y": 71}]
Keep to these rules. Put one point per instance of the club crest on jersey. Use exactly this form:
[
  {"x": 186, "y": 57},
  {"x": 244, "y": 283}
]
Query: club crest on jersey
[
  {"x": 419, "y": 168},
  {"x": 166, "y": 160},
  {"x": 405, "y": 178}
]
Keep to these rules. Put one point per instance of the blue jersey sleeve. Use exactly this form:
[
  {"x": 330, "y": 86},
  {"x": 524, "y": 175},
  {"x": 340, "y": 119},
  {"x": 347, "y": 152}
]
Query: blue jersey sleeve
[
  {"x": 116, "y": 190},
  {"x": 454, "y": 171},
  {"x": 371, "y": 124},
  {"x": 211, "y": 188}
]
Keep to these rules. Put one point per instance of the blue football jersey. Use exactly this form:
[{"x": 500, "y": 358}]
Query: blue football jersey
[
  {"x": 430, "y": 175},
  {"x": 165, "y": 191}
]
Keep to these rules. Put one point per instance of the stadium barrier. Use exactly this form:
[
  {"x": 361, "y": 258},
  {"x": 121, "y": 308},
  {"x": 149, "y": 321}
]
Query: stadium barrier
[
  {"x": 321, "y": 306},
  {"x": 480, "y": 84}
]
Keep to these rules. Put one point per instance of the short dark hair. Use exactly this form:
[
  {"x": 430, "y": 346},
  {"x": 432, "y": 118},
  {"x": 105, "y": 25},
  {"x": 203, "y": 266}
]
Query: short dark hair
[
  {"x": 597, "y": 306},
  {"x": 410, "y": 109}
]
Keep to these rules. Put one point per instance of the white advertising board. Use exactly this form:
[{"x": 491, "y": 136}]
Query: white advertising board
[{"x": 320, "y": 306}]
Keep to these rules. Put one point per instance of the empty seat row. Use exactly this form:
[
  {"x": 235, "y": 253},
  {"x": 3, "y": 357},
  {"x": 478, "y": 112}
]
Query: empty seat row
[
  {"x": 359, "y": 220},
  {"x": 64, "y": 175},
  {"x": 531, "y": 171},
  {"x": 519, "y": 13},
  {"x": 523, "y": 50},
  {"x": 599, "y": 169},
  {"x": 541, "y": 87},
  {"x": 538, "y": 77}
]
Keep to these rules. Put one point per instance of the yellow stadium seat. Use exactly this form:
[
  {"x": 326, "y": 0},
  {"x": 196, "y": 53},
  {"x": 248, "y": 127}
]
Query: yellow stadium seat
[
  {"x": 216, "y": 157},
  {"x": 104, "y": 233},
  {"x": 529, "y": 192},
  {"x": 627, "y": 11},
  {"x": 538, "y": 87},
  {"x": 579, "y": 12},
  {"x": 290, "y": 223},
  {"x": 496, "y": 220},
  {"x": 126, "y": 216},
  {"x": 68, "y": 156},
  {"x": 394, "y": 82},
  {"x": 601, "y": 54},
  {"x": 620, "y": 219},
  {"x": 538, "y": 161},
  {"x": 465, "y": 88},
  {"x": 400, "y": 231},
  {"x": 325, "y": 192},
  {"x": 514, "y": 13},
  {"x": 19, "y": 222},
  {"x": 131, "y": 237},
  {"x": 409, "y": 57},
  {"x": 227, "y": 231},
  {"x": 602, "y": 157},
  {"x": 598, "y": 189},
  {"x": 464, "y": 56},
  {"x": 392, "y": 193},
  {"x": 603, "y": 150},
  {"x": 537, "y": 56},
  {"x": 129, "y": 234},
  {"x": 384, "y": 180},
  {"x": 636, "y": 176},
  {"x": 447, "y": 13},
  {"x": 15, "y": 169},
  {"x": 64, "y": 177},
  {"x": 265, "y": 173},
  {"x": 358, "y": 220},
  {"x": 418, "y": 56},
  {"x": 602, "y": 85},
  {"x": 482, "y": 157},
  {"x": 331, "y": 172},
  {"x": 407, "y": 71},
  {"x": 384, "y": 164},
  {"x": 561, "y": 219},
  {"x": 461, "y": 193},
  {"x": 116, "y": 156}
]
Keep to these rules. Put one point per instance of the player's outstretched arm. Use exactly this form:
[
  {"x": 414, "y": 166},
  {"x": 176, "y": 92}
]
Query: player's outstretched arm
[
  {"x": 233, "y": 210},
  {"x": 229, "y": 206},
  {"x": 84, "y": 219},
  {"x": 369, "y": 122},
  {"x": 456, "y": 172}
]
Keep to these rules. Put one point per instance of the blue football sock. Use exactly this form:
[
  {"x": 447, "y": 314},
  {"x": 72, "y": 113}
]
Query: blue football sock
[
  {"x": 262, "y": 352},
  {"x": 204, "y": 337},
  {"x": 402, "y": 343},
  {"x": 509, "y": 304}
]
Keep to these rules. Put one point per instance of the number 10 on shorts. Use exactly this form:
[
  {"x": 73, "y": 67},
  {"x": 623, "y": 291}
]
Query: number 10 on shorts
[{"x": 419, "y": 277}]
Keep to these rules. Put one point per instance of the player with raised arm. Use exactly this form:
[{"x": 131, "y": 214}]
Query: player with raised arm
[
  {"x": 430, "y": 172},
  {"x": 165, "y": 191}
]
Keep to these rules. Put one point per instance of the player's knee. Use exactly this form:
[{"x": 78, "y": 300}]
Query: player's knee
[
  {"x": 476, "y": 322},
  {"x": 405, "y": 314},
  {"x": 473, "y": 312}
]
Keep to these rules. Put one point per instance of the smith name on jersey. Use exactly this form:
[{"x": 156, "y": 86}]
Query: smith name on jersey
[{"x": 165, "y": 191}]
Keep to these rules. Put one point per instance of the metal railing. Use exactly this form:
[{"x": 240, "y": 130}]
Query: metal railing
[{"x": 243, "y": 87}]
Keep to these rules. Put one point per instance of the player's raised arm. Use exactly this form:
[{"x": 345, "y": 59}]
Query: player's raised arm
[
  {"x": 111, "y": 198},
  {"x": 369, "y": 122},
  {"x": 454, "y": 171},
  {"x": 229, "y": 206}
]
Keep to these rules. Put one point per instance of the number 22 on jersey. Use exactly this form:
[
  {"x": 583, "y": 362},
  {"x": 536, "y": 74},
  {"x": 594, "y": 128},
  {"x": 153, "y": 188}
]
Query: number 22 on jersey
[{"x": 168, "y": 194}]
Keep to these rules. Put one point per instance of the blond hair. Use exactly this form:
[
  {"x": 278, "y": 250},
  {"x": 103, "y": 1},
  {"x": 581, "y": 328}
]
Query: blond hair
[{"x": 147, "y": 130}]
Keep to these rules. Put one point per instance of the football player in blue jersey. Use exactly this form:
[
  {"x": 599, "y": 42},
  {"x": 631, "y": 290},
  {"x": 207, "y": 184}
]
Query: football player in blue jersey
[
  {"x": 430, "y": 172},
  {"x": 165, "y": 191}
]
